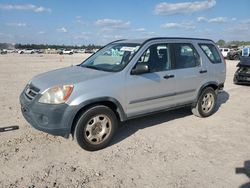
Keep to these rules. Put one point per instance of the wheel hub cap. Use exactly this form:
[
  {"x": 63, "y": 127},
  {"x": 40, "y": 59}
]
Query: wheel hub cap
[
  {"x": 97, "y": 129},
  {"x": 207, "y": 103}
]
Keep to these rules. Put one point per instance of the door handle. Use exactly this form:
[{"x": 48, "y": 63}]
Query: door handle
[
  {"x": 203, "y": 71},
  {"x": 168, "y": 76}
]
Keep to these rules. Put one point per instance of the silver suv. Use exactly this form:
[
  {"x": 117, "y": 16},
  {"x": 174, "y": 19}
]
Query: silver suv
[{"x": 124, "y": 80}]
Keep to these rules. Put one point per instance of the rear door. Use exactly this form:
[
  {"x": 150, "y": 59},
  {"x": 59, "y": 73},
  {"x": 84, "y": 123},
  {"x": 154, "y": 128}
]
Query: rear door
[{"x": 190, "y": 72}]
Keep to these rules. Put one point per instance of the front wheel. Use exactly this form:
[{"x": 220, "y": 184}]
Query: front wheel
[
  {"x": 95, "y": 128},
  {"x": 206, "y": 103}
]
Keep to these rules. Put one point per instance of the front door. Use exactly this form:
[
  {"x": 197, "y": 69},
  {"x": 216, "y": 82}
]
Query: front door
[{"x": 154, "y": 90}]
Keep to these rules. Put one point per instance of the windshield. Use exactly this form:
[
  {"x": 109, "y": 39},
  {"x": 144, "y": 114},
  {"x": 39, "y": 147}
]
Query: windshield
[{"x": 112, "y": 58}]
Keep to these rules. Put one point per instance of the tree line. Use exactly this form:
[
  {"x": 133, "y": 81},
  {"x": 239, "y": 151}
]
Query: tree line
[
  {"x": 223, "y": 43},
  {"x": 53, "y": 46},
  {"x": 46, "y": 46}
]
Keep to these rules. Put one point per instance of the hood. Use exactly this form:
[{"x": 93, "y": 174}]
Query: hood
[{"x": 68, "y": 75}]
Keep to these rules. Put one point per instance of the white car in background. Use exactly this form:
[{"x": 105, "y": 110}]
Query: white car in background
[
  {"x": 26, "y": 51},
  {"x": 67, "y": 52},
  {"x": 224, "y": 51},
  {"x": 10, "y": 51}
]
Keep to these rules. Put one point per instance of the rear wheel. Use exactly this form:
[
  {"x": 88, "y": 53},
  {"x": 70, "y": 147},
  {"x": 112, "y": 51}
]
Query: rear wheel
[
  {"x": 206, "y": 103},
  {"x": 95, "y": 128}
]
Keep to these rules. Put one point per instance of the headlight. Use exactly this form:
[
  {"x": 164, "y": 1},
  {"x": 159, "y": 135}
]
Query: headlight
[{"x": 57, "y": 94}]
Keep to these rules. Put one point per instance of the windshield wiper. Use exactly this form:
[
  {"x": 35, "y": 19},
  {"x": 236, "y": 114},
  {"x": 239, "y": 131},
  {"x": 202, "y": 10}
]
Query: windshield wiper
[
  {"x": 92, "y": 67},
  {"x": 98, "y": 68}
]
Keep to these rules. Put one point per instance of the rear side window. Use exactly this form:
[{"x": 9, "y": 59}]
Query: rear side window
[
  {"x": 185, "y": 56},
  {"x": 211, "y": 51}
]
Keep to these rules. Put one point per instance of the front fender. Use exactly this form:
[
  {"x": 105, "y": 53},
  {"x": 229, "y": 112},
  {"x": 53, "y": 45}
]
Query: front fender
[{"x": 100, "y": 100}]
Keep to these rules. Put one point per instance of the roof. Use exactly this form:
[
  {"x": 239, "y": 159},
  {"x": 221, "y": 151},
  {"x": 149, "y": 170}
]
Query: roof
[{"x": 140, "y": 41}]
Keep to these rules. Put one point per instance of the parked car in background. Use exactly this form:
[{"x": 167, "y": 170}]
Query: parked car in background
[
  {"x": 59, "y": 51},
  {"x": 242, "y": 74},
  {"x": 81, "y": 51},
  {"x": 3, "y": 51},
  {"x": 26, "y": 51},
  {"x": 39, "y": 51},
  {"x": 10, "y": 51},
  {"x": 143, "y": 77},
  {"x": 224, "y": 51},
  {"x": 78, "y": 51},
  {"x": 66, "y": 52},
  {"x": 89, "y": 50},
  {"x": 234, "y": 54}
]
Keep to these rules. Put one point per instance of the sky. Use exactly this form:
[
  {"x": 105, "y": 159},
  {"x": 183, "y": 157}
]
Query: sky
[{"x": 81, "y": 22}]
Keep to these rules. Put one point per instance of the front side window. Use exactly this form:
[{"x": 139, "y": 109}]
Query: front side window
[
  {"x": 186, "y": 56},
  {"x": 157, "y": 57},
  {"x": 112, "y": 58},
  {"x": 211, "y": 52}
]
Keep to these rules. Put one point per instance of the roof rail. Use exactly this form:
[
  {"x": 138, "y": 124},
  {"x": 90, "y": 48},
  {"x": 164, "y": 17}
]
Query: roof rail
[{"x": 157, "y": 38}]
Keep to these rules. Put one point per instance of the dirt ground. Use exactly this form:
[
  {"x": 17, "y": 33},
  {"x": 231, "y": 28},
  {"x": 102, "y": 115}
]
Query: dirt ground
[{"x": 171, "y": 149}]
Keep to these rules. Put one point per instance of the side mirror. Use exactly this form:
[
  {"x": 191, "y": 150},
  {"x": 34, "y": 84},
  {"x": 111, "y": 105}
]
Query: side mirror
[{"x": 140, "y": 68}]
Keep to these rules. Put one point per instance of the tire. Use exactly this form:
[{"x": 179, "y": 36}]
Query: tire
[
  {"x": 95, "y": 128},
  {"x": 206, "y": 103}
]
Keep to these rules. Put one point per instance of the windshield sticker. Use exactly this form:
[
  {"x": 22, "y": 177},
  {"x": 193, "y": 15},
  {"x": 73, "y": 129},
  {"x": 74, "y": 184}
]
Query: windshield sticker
[
  {"x": 114, "y": 52},
  {"x": 128, "y": 49}
]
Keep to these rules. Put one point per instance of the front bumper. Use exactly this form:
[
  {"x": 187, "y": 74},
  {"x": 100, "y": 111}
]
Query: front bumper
[{"x": 55, "y": 119}]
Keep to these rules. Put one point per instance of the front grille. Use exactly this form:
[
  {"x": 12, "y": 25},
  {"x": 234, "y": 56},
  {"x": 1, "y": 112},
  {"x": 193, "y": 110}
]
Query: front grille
[{"x": 31, "y": 91}]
